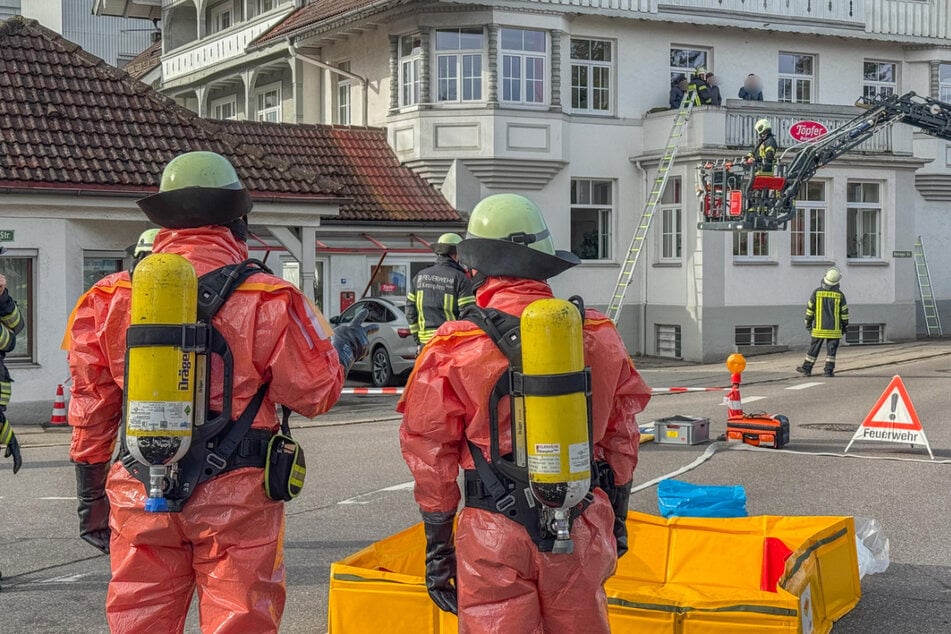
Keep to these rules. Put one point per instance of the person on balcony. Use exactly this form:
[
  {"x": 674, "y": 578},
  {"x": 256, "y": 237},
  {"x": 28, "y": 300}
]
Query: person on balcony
[
  {"x": 678, "y": 88},
  {"x": 714, "y": 83},
  {"x": 752, "y": 88},
  {"x": 700, "y": 87}
]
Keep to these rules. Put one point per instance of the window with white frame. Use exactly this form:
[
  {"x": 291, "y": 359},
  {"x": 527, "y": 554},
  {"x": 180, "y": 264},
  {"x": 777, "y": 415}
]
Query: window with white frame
[
  {"x": 592, "y": 64},
  {"x": 21, "y": 285},
  {"x": 944, "y": 82},
  {"x": 879, "y": 79},
  {"x": 524, "y": 60},
  {"x": 796, "y": 77},
  {"x": 263, "y": 6},
  {"x": 459, "y": 64},
  {"x": 592, "y": 212},
  {"x": 863, "y": 220},
  {"x": 225, "y": 108},
  {"x": 411, "y": 56},
  {"x": 268, "y": 99},
  {"x": 667, "y": 341},
  {"x": 755, "y": 335},
  {"x": 807, "y": 229},
  {"x": 684, "y": 60},
  {"x": 344, "y": 84},
  {"x": 751, "y": 244},
  {"x": 222, "y": 17},
  {"x": 671, "y": 221}
]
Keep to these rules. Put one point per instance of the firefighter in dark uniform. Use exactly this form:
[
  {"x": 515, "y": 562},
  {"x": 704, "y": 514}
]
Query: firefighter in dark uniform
[
  {"x": 764, "y": 153},
  {"x": 827, "y": 317},
  {"x": 700, "y": 87},
  {"x": 438, "y": 293},
  {"x": 11, "y": 324}
]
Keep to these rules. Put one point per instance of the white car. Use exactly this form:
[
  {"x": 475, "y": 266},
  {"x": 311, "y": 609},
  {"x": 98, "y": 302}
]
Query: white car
[{"x": 392, "y": 348}]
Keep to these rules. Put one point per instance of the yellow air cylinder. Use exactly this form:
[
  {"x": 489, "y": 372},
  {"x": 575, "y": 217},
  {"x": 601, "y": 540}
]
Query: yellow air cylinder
[
  {"x": 556, "y": 427},
  {"x": 160, "y": 379}
]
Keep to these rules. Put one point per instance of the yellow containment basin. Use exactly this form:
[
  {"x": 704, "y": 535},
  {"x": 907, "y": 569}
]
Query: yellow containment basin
[{"x": 681, "y": 576}]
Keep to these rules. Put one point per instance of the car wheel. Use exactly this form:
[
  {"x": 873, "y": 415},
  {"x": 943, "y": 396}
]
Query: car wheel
[{"x": 381, "y": 371}]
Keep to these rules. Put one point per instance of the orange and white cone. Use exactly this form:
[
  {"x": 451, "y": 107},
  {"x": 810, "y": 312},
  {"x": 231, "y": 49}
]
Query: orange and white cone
[
  {"x": 58, "y": 417},
  {"x": 734, "y": 405}
]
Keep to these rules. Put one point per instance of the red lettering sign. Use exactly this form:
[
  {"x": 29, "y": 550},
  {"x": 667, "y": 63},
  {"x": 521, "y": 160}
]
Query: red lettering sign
[
  {"x": 387, "y": 288},
  {"x": 807, "y": 130}
]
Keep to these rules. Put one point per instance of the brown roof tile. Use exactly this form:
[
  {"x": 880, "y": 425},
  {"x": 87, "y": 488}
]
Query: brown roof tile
[
  {"x": 145, "y": 61},
  {"x": 381, "y": 188},
  {"x": 312, "y": 13},
  {"x": 70, "y": 121}
]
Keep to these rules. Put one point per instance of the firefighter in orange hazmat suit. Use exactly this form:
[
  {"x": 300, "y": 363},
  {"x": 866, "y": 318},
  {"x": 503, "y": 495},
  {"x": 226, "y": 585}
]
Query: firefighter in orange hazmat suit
[
  {"x": 228, "y": 537},
  {"x": 504, "y": 582}
]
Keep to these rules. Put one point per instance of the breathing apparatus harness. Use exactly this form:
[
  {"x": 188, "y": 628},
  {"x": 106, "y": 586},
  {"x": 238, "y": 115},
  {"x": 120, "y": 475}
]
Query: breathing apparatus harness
[
  {"x": 502, "y": 486},
  {"x": 219, "y": 443}
]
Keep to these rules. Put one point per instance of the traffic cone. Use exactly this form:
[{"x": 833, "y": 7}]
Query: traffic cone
[
  {"x": 734, "y": 405},
  {"x": 58, "y": 417}
]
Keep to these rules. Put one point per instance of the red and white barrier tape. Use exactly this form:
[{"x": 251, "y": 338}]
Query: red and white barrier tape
[
  {"x": 372, "y": 390},
  {"x": 654, "y": 390}
]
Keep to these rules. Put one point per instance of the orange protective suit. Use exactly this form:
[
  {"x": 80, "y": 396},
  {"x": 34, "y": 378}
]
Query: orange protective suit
[
  {"x": 228, "y": 539},
  {"x": 504, "y": 583}
]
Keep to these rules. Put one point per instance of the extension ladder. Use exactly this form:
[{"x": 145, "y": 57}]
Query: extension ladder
[
  {"x": 663, "y": 172},
  {"x": 927, "y": 292}
]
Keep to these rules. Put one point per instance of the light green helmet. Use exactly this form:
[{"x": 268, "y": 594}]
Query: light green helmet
[
  {"x": 143, "y": 246},
  {"x": 832, "y": 277},
  {"x": 446, "y": 244},
  {"x": 762, "y": 126},
  {"x": 508, "y": 236},
  {"x": 197, "y": 189}
]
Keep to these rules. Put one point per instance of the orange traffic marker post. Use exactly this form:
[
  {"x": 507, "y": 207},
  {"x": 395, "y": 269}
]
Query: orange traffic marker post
[{"x": 58, "y": 417}]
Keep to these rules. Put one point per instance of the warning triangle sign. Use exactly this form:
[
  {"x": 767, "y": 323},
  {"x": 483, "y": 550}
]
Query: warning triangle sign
[{"x": 893, "y": 419}]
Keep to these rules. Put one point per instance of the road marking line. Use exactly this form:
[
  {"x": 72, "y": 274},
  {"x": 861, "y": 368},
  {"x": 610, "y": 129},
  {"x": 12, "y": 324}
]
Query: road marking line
[
  {"x": 803, "y": 386},
  {"x": 745, "y": 399},
  {"x": 366, "y": 498},
  {"x": 61, "y": 579}
]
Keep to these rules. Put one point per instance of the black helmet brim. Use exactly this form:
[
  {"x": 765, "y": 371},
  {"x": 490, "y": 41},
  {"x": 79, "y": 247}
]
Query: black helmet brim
[
  {"x": 501, "y": 258},
  {"x": 196, "y": 207}
]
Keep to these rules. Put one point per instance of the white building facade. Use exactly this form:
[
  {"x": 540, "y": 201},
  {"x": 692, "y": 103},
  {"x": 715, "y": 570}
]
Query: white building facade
[{"x": 551, "y": 99}]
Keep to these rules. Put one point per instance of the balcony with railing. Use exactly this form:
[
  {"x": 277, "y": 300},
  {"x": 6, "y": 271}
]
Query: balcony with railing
[
  {"x": 214, "y": 49},
  {"x": 731, "y": 127}
]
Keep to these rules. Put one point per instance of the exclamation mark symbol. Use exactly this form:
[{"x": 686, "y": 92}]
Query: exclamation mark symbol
[{"x": 894, "y": 405}]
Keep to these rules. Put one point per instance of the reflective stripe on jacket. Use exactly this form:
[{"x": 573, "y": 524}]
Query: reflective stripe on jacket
[
  {"x": 436, "y": 295},
  {"x": 827, "y": 312}
]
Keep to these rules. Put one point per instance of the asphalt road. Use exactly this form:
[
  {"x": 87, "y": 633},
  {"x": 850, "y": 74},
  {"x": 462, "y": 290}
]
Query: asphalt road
[{"x": 357, "y": 491}]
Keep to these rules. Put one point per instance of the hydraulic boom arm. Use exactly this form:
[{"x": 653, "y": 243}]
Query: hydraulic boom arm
[{"x": 766, "y": 202}]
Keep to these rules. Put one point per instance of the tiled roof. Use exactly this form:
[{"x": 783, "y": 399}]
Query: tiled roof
[
  {"x": 382, "y": 189},
  {"x": 145, "y": 61},
  {"x": 70, "y": 120},
  {"x": 311, "y": 13}
]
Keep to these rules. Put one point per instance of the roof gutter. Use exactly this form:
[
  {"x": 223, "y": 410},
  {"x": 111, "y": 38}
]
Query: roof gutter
[{"x": 296, "y": 54}]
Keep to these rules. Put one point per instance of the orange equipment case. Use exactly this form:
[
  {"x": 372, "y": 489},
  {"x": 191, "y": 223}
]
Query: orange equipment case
[{"x": 761, "y": 429}]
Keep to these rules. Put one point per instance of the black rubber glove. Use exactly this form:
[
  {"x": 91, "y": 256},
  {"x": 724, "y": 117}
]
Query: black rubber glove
[
  {"x": 93, "y": 504},
  {"x": 8, "y": 438},
  {"x": 808, "y": 324},
  {"x": 441, "y": 560},
  {"x": 620, "y": 499},
  {"x": 351, "y": 340}
]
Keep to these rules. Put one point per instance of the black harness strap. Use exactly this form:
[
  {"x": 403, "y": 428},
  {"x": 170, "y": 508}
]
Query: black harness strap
[
  {"x": 503, "y": 486},
  {"x": 212, "y": 451}
]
